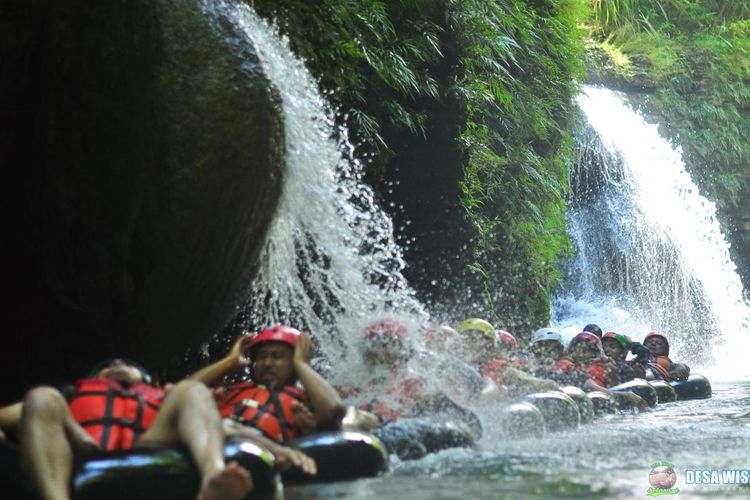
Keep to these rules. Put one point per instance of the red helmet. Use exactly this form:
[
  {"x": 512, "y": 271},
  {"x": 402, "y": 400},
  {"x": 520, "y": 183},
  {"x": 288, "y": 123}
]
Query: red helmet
[
  {"x": 660, "y": 335},
  {"x": 506, "y": 338},
  {"x": 386, "y": 328},
  {"x": 586, "y": 337},
  {"x": 276, "y": 333}
]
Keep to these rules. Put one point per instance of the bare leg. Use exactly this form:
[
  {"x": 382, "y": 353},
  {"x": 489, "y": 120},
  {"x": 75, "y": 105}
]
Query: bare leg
[
  {"x": 49, "y": 435},
  {"x": 189, "y": 417}
]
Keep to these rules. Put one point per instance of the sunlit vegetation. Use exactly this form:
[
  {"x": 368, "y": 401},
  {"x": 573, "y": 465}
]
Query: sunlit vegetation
[
  {"x": 699, "y": 63},
  {"x": 510, "y": 68}
]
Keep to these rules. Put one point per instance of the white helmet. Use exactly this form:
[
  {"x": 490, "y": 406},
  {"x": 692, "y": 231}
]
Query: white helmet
[{"x": 545, "y": 334}]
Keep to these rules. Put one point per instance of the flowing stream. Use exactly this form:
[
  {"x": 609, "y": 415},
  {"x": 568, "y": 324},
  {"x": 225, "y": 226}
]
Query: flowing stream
[
  {"x": 650, "y": 255},
  {"x": 330, "y": 263}
]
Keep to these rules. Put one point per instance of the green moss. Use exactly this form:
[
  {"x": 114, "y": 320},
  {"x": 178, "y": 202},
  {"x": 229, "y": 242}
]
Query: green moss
[
  {"x": 511, "y": 67},
  {"x": 663, "y": 54},
  {"x": 516, "y": 176}
]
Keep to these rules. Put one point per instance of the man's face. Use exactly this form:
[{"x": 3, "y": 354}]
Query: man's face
[
  {"x": 383, "y": 356},
  {"x": 390, "y": 351},
  {"x": 273, "y": 364},
  {"x": 547, "y": 351},
  {"x": 614, "y": 349},
  {"x": 476, "y": 348},
  {"x": 584, "y": 352},
  {"x": 656, "y": 345},
  {"x": 119, "y": 370}
]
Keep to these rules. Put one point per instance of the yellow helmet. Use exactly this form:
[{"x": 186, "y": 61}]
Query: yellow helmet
[{"x": 481, "y": 325}]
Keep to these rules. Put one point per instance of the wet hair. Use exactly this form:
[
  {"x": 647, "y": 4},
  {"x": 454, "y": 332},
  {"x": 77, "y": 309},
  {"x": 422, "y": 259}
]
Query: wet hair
[
  {"x": 593, "y": 328},
  {"x": 145, "y": 375}
]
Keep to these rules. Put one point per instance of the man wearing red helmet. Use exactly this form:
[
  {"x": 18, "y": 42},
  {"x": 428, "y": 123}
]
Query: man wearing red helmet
[
  {"x": 395, "y": 389},
  {"x": 585, "y": 351},
  {"x": 397, "y": 392},
  {"x": 586, "y": 355},
  {"x": 660, "y": 363},
  {"x": 508, "y": 371},
  {"x": 273, "y": 402},
  {"x": 117, "y": 408}
]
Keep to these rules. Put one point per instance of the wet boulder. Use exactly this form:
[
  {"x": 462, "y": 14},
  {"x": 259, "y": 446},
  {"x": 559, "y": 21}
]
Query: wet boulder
[{"x": 142, "y": 161}]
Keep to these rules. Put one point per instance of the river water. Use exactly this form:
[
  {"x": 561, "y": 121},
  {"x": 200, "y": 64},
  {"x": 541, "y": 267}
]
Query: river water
[
  {"x": 610, "y": 458},
  {"x": 649, "y": 255}
]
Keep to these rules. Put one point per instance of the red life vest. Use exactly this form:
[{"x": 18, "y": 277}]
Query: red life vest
[
  {"x": 400, "y": 393},
  {"x": 565, "y": 365},
  {"x": 494, "y": 369},
  {"x": 597, "y": 372},
  {"x": 662, "y": 365},
  {"x": 264, "y": 408},
  {"x": 601, "y": 372},
  {"x": 114, "y": 415}
]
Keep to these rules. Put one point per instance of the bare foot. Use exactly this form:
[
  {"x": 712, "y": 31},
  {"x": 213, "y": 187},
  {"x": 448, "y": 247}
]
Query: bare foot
[{"x": 231, "y": 483}]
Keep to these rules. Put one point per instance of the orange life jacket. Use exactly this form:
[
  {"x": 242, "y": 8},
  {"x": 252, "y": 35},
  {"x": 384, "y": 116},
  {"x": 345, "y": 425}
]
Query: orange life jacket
[
  {"x": 114, "y": 415},
  {"x": 400, "y": 393},
  {"x": 494, "y": 369},
  {"x": 267, "y": 409},
  {"x": 597, "y": 372},
  {"x": 565, "y": 365},
  {"x": 662, "y": 366},
  {"x": 601, "y": 372}
]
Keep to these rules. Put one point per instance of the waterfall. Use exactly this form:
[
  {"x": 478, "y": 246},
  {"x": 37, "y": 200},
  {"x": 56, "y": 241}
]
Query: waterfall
[
  {"x": 330, "y": 262},
  {"x": 650, "y": 254}
]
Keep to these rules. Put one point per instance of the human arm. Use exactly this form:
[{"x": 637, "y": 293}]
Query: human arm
[
  {"x": 326, "y": 403},
  {"x": 680, "y": 371},
  {"x": 285, "y": 457},
  {"x": 10, "y": 417},
  {"x": 640, "y": 351},
  {"x": 523, "y": 383},
  {"x": 356, "y": 419},
  {"x": 233, "y": 362},
  {"x": 625, "y": 398}
]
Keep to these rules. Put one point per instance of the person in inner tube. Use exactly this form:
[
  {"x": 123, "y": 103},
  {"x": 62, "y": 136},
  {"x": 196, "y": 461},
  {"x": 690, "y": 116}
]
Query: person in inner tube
[
  {"x": 117, "y": 408},
  {"x": 585, "y": 354},
  {"x": 617, "y": 346},
  {"x": 505, "y": 368},
  {"x": 547, "y": 359},
  {"x": 464, "y": 382},
  {"x": 388, "y": 393},
  {"x": 286, "y": 398},
  {"x": 396, "y": 392},
  {"x": 660, "y": 364}
]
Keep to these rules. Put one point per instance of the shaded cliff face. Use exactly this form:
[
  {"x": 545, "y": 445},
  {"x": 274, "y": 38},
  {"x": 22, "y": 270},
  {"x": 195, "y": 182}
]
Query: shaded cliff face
[{"x": 141, "y": 154}]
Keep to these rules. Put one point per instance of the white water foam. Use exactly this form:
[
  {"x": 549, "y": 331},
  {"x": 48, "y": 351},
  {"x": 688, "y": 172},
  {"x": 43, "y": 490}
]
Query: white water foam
[
  {"x": 650, "y": 251},
  {"x": 330, "y": 263}
]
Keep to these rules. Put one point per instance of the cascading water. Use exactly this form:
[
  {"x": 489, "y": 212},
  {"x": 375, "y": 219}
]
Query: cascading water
[
  {"x": 650, "y": 252},
  {"x": 330, "y": 262}
]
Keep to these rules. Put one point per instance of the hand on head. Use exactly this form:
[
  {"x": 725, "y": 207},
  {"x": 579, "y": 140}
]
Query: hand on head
[
  {"x": 303, "y": 349},
  {"x": 237, "y": 353}
]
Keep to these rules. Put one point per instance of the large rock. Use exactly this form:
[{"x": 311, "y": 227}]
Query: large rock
[{"x": 141, "y": 154}]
